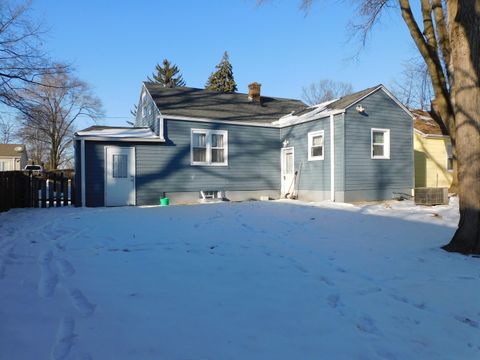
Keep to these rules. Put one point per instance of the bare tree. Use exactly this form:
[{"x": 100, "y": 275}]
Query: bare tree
[
  {"x": 414, "y": 87},
  {"x": 7, "y": 130},
  {"x": 50, "y": 111},
  {"x": 325, "y": 90},
  {"x": 22, "y": 61},
  {"x": 446, "y": 34}
]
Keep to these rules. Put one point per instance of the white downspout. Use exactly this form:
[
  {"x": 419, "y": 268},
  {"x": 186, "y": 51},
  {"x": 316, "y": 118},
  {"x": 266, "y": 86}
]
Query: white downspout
[
  {"x": 160, "y": 127},
  {"x": 332, "y": 159},
  {"x": 82, "y": 171}
]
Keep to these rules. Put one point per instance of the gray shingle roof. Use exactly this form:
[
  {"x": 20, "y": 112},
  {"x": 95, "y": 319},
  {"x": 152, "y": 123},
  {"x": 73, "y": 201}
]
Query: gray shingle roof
[
  {"x": 201, "y": 103},
  {"x": 348, "y": 100},
  {"x": 9, "y": 149}
]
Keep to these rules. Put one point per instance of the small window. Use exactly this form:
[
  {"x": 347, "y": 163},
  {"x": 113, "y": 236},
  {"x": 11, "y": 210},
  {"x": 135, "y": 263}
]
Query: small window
[
  {"x": 449, "y": 157},
  {"x": 209, "y": 147},
  {"x": 316, "y": 145},
  {"x": 120, "y": 166},
  {"x": 380, "y": 144}
]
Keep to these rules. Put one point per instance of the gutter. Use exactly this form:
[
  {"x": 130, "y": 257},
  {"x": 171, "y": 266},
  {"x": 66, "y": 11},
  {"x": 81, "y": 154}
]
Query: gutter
[{"x": 123, "y": 139}]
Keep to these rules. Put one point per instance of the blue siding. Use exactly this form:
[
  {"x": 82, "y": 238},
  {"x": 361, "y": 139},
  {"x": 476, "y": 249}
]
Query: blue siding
[
  {"x": 313, "y": 175},
  {"x": 253, "y": 163},
  {"x": 94, "y": 172},
  {"x": 78, "y": 173},
  {"x": 379, "y": 176},
  {"x": 254, "y": 157},
  {"x": 339, "y": 131}
]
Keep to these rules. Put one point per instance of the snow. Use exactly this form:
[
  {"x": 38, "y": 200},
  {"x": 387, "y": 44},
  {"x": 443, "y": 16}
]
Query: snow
[
  {"x": 140, "y": 132},
  {"x": 253, "y": 280},
  {"x": 316, "y": 112}
]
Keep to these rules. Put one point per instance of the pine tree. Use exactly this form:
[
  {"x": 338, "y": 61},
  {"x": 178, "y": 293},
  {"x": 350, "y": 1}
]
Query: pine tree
[
  {"x": 222, "y": 79},
  {"x": 167, "y": 75}
]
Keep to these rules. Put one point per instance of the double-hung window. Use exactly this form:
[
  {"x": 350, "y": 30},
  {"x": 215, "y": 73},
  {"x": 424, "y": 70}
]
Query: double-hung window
[
  {"x": 316, "y": 149},
  {"x": 209, "y": 147},
  {"x": 380, "y": 143}
]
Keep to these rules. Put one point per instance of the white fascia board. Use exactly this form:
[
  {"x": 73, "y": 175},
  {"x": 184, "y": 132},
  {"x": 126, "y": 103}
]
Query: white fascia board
[
  {"x": 313, "y": 118},
  {"x": 435, "y": 136},
  {"x": 117, "y": 139}
]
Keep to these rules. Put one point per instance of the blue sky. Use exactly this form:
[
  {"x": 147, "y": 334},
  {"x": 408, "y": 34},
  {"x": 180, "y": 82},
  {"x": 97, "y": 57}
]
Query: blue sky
[{"x": 114, "y": 45}]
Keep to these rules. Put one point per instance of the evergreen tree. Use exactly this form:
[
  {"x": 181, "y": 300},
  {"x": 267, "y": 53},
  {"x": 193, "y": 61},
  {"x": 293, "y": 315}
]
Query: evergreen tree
[
  {"x": 167, "y": 75},
  {"x": 222, "y": 79}
]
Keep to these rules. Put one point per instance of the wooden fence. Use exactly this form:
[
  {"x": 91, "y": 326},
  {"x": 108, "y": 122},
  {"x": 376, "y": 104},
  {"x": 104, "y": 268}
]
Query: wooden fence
[{"x": 20, "y": 189}]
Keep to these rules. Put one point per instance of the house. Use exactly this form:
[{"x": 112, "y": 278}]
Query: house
[
  {"x": 192, "y": 143},
  {"x": 433, "y": 152},
  {"x": 12, "y": 157}
]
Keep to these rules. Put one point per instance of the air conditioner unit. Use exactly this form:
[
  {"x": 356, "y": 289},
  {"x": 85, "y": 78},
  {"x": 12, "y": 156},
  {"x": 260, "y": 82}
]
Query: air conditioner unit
[{"x": 431, "y": 196}]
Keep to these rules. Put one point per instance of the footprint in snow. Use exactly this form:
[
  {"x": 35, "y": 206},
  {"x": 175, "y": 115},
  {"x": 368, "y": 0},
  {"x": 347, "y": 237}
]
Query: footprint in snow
[
  {"x": 367, "y": 325},
  {"x": 64, "y": 340},
  {"x": 405, "y": 300},
  {"x": 326, "y": 280},
  {"x": 385, "y": 354},
  {"x": 333, "y": 301},
  {"x": 369, "y": 291},
  {"x": 65, "y": 268},
  {"x": 467, "y": 321},
  {"x": 45, "y": 257},
  {"x": 48, "y": 282},
  {"x": 81, "y": 303},
  {"x": 48, "y": 278}
]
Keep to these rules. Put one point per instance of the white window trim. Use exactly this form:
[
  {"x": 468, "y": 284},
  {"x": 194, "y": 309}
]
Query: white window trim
[
  {"x": 208, "y": 141},
  {"x": 386, "y": 145},
  {"x": 311, "y": 135}
]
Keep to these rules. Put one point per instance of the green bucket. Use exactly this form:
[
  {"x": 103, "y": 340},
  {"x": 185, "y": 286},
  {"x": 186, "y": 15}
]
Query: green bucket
[{"x": 164, "y": 201}]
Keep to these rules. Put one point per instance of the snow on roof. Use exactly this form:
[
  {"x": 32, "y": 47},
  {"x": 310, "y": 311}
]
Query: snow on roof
[
  {"x": 310, "y": 113},
  {"x": 118, "y": 133}
]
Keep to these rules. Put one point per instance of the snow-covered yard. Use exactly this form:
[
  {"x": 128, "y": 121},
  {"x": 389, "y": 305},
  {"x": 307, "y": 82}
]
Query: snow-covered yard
[{"x": 254, "y": 280}]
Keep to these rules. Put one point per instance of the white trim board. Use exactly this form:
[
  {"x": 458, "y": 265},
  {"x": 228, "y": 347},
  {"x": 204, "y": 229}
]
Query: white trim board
[
  {"x": 129, "y": 139},
  {"x": 435, "y": 136}
]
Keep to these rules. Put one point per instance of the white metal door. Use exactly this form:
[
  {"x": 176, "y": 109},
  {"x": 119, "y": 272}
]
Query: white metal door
[
  {"x": 288, "y": 171},
  {"x": 119, "y": 176}
]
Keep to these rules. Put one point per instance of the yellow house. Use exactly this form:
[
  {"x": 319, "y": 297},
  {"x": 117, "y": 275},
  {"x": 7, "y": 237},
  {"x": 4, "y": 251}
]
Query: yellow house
[{"x": 433, "y": 153}]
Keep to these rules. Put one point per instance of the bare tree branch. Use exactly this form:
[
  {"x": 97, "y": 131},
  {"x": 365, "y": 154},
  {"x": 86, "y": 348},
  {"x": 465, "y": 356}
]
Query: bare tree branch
[
  {"x": 325, "y": 90},
  {"x": 49, "y": 113}
]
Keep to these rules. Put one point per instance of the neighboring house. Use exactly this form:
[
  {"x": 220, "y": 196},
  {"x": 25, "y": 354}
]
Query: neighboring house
[
  {"x": 191, "y": 143},
  {"x": 12, "y": 157},
  {"x": 433, "y": 153}
]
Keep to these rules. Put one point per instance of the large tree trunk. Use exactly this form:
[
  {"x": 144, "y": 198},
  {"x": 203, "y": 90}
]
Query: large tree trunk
[{"x": 464, "y": 27}]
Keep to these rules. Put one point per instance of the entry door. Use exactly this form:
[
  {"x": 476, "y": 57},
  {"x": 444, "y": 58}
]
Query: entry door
[
  {"x": 288, "y": 171},
  {"x": 119, "y": 176}
]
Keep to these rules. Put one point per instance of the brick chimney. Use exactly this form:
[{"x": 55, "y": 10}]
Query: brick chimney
[{"x": 254, "y": 92}]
